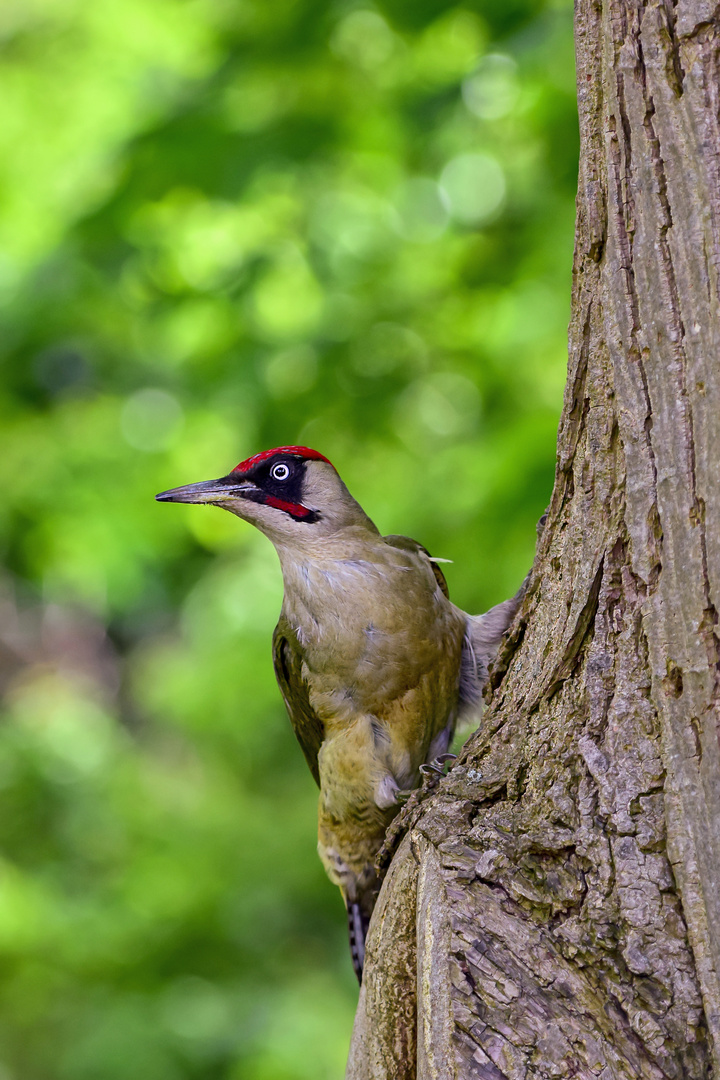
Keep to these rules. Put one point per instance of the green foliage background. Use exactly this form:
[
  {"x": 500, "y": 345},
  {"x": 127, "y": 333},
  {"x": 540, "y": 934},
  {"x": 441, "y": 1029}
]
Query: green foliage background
[{"x": 228, "y": 225}]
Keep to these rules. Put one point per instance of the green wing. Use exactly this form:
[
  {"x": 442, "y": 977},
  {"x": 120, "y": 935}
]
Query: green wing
[
  {"x": 405, "y": 543},
  {"x": 308, "y": 728}
]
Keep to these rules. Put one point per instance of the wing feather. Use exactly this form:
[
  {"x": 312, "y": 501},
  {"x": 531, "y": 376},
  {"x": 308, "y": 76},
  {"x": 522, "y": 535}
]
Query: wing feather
[
  {"x": 308, "y": 728},
  {"x": 406, "y": 543}
]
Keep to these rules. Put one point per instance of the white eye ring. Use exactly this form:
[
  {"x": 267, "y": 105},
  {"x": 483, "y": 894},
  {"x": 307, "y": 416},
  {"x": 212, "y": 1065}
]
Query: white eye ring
[{"x": 280, "y": 471}]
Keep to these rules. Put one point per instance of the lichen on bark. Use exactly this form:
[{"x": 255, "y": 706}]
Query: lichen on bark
[{"x": 554, "y": 906}]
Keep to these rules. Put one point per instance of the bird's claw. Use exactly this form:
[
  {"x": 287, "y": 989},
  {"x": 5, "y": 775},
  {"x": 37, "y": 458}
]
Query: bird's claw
[
  {"x": 437, "y": 767},
  {"x": 431, "y": 772}
]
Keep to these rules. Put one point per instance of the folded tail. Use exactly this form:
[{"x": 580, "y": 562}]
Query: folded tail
[
  {"x": 483, "y": 635},
  {"x": 358, "y": 923}
]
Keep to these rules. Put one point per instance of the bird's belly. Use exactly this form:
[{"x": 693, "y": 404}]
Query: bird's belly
[
  {"x": 376, "y": 645},
  {"x": 374, "y": 670},
  {"x": 379, "y": 724},
  {"x": 383, "y": 648}
]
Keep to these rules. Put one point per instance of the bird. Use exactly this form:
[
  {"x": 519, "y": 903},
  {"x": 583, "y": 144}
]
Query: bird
[{"x": 374, "y": 662}]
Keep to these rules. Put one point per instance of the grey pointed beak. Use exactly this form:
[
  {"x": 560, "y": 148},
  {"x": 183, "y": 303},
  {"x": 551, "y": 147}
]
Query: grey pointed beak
[{"x": 209, "y": 491}]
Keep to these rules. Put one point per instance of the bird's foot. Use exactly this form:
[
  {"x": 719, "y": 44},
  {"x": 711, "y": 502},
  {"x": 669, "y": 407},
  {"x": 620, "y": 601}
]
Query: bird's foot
[
  {"x": 437, "y": 767},
  {"x": 431, "y": 771},
  {"x": 411, "y": 802}
]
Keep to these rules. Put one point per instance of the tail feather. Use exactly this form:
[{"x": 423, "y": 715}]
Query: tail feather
[
  {"x": 482, "y": 640},
  {"x": 358, "y": 923}
]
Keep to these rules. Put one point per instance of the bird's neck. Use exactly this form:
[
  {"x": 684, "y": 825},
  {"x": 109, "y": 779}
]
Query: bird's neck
[
  {"x": 353, "y": 542},
  {"x": 332, "y": 578}
]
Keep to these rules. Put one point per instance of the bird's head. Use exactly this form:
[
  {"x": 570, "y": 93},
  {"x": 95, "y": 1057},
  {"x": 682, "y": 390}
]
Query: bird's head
[{"x": 292, "y": 494}]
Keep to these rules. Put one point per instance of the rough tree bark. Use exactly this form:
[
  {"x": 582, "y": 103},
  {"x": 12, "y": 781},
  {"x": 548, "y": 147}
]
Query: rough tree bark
[{"x": 553, "y": 908}]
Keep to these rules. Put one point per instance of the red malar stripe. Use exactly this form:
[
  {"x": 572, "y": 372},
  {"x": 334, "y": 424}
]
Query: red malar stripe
[{"x": 288, "y": 507}]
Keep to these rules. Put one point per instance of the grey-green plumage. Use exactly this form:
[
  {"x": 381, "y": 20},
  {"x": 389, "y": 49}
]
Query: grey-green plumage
[
  {"x": 374, "y": 661},
  {"x": 288, "y": 661}
]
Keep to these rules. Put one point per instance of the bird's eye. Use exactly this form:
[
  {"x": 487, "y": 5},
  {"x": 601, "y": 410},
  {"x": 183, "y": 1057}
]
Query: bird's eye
[{"x": 280, "y": 471}]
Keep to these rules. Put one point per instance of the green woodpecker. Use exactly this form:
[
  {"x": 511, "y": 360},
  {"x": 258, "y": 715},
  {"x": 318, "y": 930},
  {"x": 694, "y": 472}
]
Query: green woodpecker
[{"x": 374, "y": 662}]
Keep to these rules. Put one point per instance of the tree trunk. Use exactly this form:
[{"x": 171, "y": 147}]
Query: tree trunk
[{"x": 553, "y": 908}]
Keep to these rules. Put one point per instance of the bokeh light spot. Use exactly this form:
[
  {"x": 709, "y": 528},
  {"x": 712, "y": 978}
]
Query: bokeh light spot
[
  {"x": 474, "y": 186},
  {"x": 151, "y": 420},
  {"x": 443, "y": 405},
  {"x": 291, "y": 371},
  {"x": 449, "y": 47},
  {"x": 388, "y": 347},
  {"x": 287, "y": 302},
  {"x": 364, "y": 38},
  {"x": 493, "y": 89},
  {"x": 355, "y": 223},
  {"x": 421, "y": 213}
]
